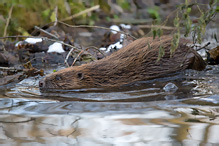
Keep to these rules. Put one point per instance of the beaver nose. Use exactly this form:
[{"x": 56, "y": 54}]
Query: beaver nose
[{"x": 40, "y": 84}]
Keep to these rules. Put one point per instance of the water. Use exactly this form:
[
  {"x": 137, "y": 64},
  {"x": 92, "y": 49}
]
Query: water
[{"x": 140, "y": 114}]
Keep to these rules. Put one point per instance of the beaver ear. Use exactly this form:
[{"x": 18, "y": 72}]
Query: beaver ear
[{"x": 80, "y": 76}]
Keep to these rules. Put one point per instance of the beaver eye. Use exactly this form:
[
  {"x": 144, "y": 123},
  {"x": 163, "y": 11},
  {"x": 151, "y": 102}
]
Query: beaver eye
[
  {"x": 58, "y": 78},
  {"x": 80, "y": 75}
]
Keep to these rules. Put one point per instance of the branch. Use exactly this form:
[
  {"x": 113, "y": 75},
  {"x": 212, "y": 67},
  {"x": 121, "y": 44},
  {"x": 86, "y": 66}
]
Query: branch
[
  {"x": 10, "y": 69},
  {"x": 66, "y": 59},
  {"x": 20, "y": 36},
  {"x": 157, "y": 26},
  {"x": 87, "y": 26},
  {"x": 40, "y": 29},
  {"x": 82, "y": 51},
  {"x": 8, "y": 20},
  {"x": 82, "y": 12},
  {"x": 95, "y": 48},
  {"x": 201, "y": 47}
]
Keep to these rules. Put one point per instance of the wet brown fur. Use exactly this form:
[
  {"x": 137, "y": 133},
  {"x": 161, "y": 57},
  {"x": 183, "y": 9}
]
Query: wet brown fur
[{"x": 135, "y": 62}]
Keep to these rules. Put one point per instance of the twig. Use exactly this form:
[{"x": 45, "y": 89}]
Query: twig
[
  {"x": 82, "y": 51},
  {"x": 20, "y": 36},
  {"x": 201, "y": 47},
  {"x": 10, "y": 69},
  {"x": 82, "y": 12},
  {"x": 157, "y": 26},
  {"x": 56, "y": 16},
  {"x": 90, "y": 47},
  {"x": 73, "y": 63},
  {"x": 132, "y": 21},
  {"x": 164, "y": 23},
  {"x": 87, "y": 26},
  {"x": 8, "y": 20},
  {"x": 40, "y": 29},
  {"x": 66, "y": 59},
  {"x": 198, "y": 7},
  {"x": 95, "y": 48}
]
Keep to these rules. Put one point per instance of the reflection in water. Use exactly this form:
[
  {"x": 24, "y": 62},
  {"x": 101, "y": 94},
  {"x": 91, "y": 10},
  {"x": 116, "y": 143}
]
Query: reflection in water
[
  {"x": 142, "y": 114},
  {"x": 46, "y": 122}
]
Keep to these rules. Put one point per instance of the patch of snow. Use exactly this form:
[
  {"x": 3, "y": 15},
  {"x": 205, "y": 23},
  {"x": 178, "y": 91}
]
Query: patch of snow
[
  {"x": 33, "y": 40},
  {"x": 30, "y": 41},
  {"x": 202, "y": 52},
  {"x": 103, "y": 49},
  {"x": 125, "y": 26},
  {"x": 118, "y": 45},
  {"x": 114, "y": 27},
  {"x": 56, "y": 47},
  {"x": 122, "y": 36}
]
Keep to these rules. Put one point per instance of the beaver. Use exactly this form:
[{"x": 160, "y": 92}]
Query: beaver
[{"x": 137, "y": 61}]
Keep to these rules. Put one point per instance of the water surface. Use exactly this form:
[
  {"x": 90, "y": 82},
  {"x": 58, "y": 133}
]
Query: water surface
[{"x": 140, "y": 114}]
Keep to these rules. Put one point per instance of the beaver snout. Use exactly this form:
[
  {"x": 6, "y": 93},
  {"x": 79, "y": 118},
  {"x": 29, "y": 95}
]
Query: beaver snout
[{"x": 42, "y": 85}]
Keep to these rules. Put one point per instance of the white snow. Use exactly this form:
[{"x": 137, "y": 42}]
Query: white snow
[
  {"x": 114, "y": 27},
  {"x": 122, "y": 36},
  {"x": 56, "y": 47},
  {"x": 33, "y": 40},
  {"x": 118, "y": 45},
  {"x": 30, "y": 41},
  {"x": 125, "y": 26},
  {"x": 103, "y": 49}
]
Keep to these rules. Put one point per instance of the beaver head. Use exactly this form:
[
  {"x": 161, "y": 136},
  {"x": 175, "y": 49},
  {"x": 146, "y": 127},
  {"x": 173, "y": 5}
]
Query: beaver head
[
  {"x": 64, "y": 79},
  {"x": 135, "y": 62}
]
